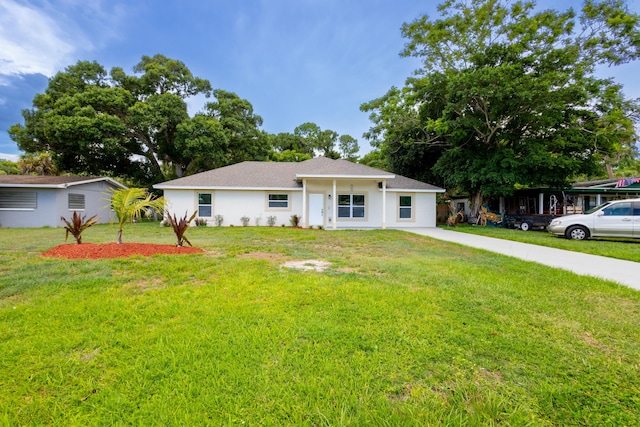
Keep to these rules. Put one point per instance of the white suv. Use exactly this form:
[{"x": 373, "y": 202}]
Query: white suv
[{"x": 618, "y": 218}]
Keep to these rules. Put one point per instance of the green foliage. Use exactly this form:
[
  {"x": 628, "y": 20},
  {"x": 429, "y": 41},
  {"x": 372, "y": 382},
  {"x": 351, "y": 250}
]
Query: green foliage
[
  {"x": 241, "y": 127},
  {"x": 508, "y": 96},
  {"x": 219, "y": 219},
  {"x": 245, "y": 221},
  {"x": 180, "y": 226},
  {"x": 317, "y": 141},
  {"x": 349, "y": 147},
  {"x": 137, "y": 126},
  {"x": 271, "y": 220},
  {"x": 37, "y": 164},
  {"x": 375, "y": 159},
  {"x": 9, "y": 168},
  {"x": 129, "y": 204},
  {"x": 77, "y": 225}
]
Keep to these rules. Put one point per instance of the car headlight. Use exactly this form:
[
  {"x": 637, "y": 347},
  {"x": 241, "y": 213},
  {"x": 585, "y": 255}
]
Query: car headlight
[{"x": 556, "y": 222}]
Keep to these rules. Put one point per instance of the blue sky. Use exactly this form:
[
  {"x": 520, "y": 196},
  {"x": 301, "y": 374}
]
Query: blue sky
[{"x": 296, "y": 61}]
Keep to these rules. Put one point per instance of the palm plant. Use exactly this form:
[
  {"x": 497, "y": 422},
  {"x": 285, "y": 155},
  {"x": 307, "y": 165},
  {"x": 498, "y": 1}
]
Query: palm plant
[
  {"x": 129, "y": 204},
  {"x": 77, "y": 225},
  {"x": 180, "y": 227}
]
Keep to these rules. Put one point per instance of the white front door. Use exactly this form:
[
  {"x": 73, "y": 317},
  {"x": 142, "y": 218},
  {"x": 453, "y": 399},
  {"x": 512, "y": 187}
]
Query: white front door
[{"x": 316, "y": 209}]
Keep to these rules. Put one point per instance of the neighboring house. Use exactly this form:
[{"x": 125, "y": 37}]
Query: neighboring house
[
  {"x": 578, "y": 198},
  {"x": 39, "y": 201},
  {"x": 321, "y": 191}
]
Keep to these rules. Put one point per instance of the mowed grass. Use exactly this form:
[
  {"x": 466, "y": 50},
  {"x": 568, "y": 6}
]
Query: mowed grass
[
  {"x": 626, "y": 249},
  {"x": 401, "y": 330}
]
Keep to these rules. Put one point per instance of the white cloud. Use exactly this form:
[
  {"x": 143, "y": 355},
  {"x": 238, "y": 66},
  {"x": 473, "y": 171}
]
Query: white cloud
[
  {"x": 44, "y": 38},
  {"x": 10, "y": 157},
  {"x": 32, "y": 41}
]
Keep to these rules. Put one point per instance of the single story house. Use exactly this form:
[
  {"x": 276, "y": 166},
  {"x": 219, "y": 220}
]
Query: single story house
[
  {"x": 40, "y": 201},
  {"x": 322, "y": 192}
]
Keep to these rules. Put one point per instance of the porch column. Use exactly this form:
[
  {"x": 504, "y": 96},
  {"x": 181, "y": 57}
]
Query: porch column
[
  {"x": 334, "y": 206},
  {"x": 384, "y": 204},
  {"x": 303, "y": 220},
  {"x": 541, "y": 203}
]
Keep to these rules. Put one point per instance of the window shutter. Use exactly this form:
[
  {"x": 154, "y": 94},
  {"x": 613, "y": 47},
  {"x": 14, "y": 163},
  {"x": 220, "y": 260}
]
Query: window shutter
[
  {"x": 18, "y": 200},
  {"x": 76, "y": 202}
]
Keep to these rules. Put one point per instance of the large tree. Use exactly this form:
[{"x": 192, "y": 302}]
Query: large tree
[
  {"x": 241, "y": 127},
  {"x": 318, "y": 141},
  {"x": 137, "y": 126},
  {"x": 508, "y": 95}
]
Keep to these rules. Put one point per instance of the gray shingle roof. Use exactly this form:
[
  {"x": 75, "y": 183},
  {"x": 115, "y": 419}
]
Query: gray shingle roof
[
  {"x": 49, "y": 181},
  {"x": 288, "y": 175}
]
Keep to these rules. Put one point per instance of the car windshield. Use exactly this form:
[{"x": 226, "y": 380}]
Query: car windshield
[{"x": 592, "y": 210}]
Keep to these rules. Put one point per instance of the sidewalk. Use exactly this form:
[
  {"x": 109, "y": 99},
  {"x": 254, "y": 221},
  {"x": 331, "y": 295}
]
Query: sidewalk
[{"x": 619, "y": 271}]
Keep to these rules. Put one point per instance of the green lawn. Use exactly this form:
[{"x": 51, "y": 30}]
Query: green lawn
[
  {"x": 627, "y": 249},
  {"x": 401, "y": 330}
]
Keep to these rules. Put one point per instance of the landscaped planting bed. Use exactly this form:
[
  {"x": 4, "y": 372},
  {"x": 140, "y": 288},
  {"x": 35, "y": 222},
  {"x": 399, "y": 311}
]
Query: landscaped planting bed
[{"x": 115, "y": 250}]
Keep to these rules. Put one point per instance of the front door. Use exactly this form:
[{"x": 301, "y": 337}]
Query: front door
[{"x": 316, "y": 209}]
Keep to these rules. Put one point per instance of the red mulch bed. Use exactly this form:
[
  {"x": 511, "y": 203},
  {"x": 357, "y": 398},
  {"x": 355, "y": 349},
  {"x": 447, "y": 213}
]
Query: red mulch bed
[{"x": 115, "y": 250}]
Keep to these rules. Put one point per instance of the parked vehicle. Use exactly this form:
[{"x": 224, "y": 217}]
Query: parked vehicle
[
  {"x": 617, "y": 218},
  {"x": 528, "y": 222}
]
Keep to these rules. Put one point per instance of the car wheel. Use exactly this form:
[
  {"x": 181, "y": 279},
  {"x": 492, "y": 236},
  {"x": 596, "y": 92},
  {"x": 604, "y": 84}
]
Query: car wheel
[
  {"x": 525, "y": 226},
  {"x": 577, "y": 233}
]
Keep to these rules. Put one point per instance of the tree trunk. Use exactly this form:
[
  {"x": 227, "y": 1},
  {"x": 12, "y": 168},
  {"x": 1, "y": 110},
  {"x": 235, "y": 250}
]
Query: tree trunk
[
  {"x": 476, "y": 204},
  {"x": 178, "y": 170},
  {"x": 119, "y": 236},
  {"x": 607, "y": 162}
]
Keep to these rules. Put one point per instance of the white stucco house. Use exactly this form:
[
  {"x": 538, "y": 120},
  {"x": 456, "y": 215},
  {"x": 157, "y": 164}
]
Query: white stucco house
[
  {"x": 321, "y": 191},
  {"x": 40, "y": 201}
]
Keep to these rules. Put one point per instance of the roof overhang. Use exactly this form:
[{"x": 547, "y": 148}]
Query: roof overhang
[
  {"x": 325, "y": 176},
  {"x": 63, "y": 185},
  {"x": 414, "y": 190},
  {"x": 205, "y": 187}
]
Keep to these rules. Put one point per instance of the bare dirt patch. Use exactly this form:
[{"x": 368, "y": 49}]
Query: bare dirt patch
[
  {"x": 115, "y": 250},
  {"x": 308, "y": 265}
]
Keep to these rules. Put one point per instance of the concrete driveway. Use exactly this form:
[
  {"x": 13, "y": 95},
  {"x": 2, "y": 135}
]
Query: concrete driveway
[{"x": 623, "y": 272}]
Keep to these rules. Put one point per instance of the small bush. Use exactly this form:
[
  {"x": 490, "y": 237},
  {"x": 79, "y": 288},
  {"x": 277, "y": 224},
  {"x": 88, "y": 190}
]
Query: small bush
[
  {"x": 295, "y": 221},
  {"x": 271, "y": 220},
  {"x": 218, "y": 220},
  {"x": 180, "y": 227},
  {"x": 245, "y": 221},
  {"x": 258, "y": 220},
  {"x": 201, "y": 222},
  {"x": 77, "y": 225}
]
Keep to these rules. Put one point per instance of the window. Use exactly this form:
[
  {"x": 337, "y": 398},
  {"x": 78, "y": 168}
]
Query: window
[
  {"x": 76, "y": 202},
  {"x": 18, "y": 200},
  {"x": 405, "y": 207},
  {"x": 278, "y": 201},
  {"x": 618, "y": 209},
  {"x": 350, "y": 205},
  {"x": 204, "y": 205}
]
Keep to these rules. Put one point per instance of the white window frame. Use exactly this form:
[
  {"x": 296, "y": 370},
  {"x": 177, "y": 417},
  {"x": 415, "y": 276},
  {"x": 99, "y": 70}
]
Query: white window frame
[
  {"x": 209, "y": 205},
  {"x": 351, "y": 206},
  {"x": 270, "y": 207},
  {"x": 410, "y": 208}
]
